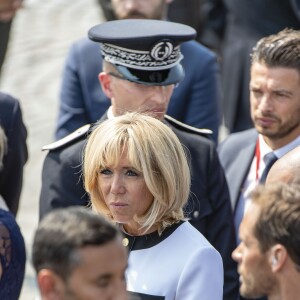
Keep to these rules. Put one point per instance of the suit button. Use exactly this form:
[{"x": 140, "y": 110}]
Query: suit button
[{"x": 125, "y": 242}]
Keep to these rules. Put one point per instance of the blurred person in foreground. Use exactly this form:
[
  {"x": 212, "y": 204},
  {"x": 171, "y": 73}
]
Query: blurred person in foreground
[
  {"x": 286, "y": 169},
  {"x": 275, "y": 109},
  {"x": 77, "y": 254},
  {"x": 8, "y": 10},
  {"x": 16, "y": 154},
  {"x": 141, "y": 70},
  {"x": 196, "y": 101},
  {"x": 268, "y": 256},
  {"x": 12, "y": 246},
  {"x": 131, "y": 165}
]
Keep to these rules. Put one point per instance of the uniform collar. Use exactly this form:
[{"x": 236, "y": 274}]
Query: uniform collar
[{"x": 148, "y": 240}]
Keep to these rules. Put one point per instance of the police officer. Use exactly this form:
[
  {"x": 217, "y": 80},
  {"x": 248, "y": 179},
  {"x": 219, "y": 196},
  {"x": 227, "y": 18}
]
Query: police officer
[{"x": 142, "y": 68}]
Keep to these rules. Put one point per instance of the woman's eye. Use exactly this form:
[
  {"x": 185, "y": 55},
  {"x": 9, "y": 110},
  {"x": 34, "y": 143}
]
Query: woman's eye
[
  {"x": 131, "y": 173},
  {"x": 105, "y": 171}
]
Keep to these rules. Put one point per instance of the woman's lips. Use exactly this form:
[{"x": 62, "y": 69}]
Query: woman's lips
[{"x": 118, "y": 204}]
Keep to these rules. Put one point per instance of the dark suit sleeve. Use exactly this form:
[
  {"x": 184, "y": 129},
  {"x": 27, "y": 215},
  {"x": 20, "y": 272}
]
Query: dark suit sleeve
[
  {"x": 62, "y": 183},
  {"x": 221, "y": 224},
  {"x": 72, "y": 112},
  {"x": 11, "y": 178},
  {"x": 203, "y": 110},
  {"x": 212, "y": 214}
]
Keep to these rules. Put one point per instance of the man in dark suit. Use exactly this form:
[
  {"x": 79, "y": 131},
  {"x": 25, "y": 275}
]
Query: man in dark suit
[
  {"x": 145, "y": 84},
  {"x": 195, "y": 101},
  {"x": 233, "y": 27},
  {"x": 275, "y": 111},
  {"x": 11, "y": 174}
]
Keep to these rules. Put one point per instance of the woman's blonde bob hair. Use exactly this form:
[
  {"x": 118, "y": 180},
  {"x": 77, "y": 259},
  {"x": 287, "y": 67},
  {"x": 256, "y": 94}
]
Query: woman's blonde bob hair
[{"x": 154, "y": 150}]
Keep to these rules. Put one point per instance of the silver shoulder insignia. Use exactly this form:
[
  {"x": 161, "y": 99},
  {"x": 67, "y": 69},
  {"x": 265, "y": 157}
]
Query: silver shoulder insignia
[
  {"x": 68, "y": 139},
  {"x": 183, "y": 126}
]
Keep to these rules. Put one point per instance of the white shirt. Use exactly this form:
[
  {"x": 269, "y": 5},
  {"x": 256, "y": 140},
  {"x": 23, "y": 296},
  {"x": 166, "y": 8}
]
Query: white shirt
[{"x": 251, "y": 181}]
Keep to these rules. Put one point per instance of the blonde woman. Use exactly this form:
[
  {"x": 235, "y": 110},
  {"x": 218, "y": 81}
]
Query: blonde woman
[{"x": 137, "y": 174}]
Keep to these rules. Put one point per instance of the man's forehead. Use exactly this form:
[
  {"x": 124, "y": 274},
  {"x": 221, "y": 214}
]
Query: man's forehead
[{"x": 250, "y": 218}]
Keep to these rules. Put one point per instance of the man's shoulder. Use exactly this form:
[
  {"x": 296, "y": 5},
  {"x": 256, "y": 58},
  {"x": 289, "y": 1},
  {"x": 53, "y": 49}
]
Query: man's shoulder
[
  {"x": 75, "y": 138},
  {"x": 86, "y": 45},
  {"x": 10, "y": 113},
  {"x": 193, "y": 138},
  {"x": 7, "y": 103},
  {"x": 195, "y": 48},
  {"x": 187, "y": 129},
  {"x": 236, "y": 141},
  {"x": 241, "y": 136}
]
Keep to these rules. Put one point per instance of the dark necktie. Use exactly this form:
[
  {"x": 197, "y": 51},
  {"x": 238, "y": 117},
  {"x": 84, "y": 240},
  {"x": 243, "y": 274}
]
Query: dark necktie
[{"x": 269, "y": 159}]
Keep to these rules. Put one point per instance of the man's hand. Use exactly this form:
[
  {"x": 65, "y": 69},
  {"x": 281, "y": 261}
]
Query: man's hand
[{"x": 8, "y": 9}]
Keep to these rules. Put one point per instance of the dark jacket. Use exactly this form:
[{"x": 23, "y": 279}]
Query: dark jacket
[{"x": 11, "y": 176}]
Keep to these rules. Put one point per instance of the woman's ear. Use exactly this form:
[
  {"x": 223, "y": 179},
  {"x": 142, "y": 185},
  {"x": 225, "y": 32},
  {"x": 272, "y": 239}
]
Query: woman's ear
[{"x": 105, "y": 82}]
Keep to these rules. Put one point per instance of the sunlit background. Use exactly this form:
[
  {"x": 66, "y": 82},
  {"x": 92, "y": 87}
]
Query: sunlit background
[{"x": 41, "y": 35}]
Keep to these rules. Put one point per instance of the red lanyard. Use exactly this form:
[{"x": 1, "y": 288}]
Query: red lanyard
[{"x": 257, "y": 155}]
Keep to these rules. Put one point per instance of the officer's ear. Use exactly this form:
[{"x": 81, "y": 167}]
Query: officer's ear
[{"x": 105, "y": 82}]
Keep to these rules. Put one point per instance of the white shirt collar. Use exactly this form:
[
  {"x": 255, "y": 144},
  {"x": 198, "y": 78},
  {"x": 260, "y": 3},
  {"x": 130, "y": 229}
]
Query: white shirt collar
[{"x": 265, "y": 149}]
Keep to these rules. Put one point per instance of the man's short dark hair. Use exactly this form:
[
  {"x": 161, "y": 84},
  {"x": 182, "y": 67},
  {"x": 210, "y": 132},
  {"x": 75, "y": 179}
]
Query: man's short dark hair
[
  {"x": 279, "y": 50},
  {"x": 63, "y": 232}
]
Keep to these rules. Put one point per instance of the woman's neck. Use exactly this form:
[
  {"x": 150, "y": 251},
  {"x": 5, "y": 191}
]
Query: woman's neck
[{"x": 137, "y": 231}]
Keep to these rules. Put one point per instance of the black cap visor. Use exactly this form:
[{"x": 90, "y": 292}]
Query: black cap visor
[{"x": 162, "y": 77}]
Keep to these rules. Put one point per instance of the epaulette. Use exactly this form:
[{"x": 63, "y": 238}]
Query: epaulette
[
  {"x": 69, "y": 138},
  {"x": 188, "y": 128}
]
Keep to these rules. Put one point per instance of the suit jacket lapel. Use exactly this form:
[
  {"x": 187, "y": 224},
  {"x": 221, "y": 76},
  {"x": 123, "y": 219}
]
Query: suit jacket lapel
[{"x": 237, "y": 174}]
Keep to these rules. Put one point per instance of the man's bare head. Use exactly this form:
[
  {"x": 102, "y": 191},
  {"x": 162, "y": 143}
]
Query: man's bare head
[{"x": 286, "y": 169}]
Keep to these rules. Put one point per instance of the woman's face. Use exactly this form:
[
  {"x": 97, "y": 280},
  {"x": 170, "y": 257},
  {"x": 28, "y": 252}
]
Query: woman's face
[{"x": 125, "y": 193}]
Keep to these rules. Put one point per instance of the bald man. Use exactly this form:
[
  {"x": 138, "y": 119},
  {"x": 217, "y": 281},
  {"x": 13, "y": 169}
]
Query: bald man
[{"x": 286, "y": 169}]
